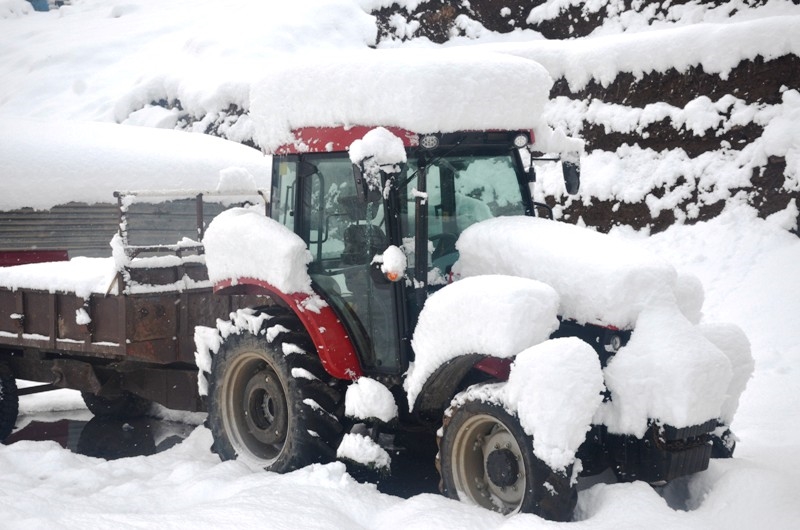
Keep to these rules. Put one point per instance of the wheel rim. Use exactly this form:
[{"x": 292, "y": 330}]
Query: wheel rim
[
  {"x": 256, "y": 415},
  {"x": 487, "y": 464}
]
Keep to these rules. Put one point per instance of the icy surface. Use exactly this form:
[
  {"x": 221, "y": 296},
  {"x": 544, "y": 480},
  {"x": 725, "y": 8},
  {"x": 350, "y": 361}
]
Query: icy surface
[
  {"x": 491, "y": 315},
  {"x": 599, "y": 279},
  {"x": 244, "y": 243},
  {"x": 367, "y": 398}
]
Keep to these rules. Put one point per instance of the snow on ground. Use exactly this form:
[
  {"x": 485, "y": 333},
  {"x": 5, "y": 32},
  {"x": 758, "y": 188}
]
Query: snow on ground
[
  {"x": 102, "y": 62},
  {"x": 749, "y": 269}
]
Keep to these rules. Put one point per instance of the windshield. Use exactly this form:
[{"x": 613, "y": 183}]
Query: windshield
[{"x": 462, "y": 190}]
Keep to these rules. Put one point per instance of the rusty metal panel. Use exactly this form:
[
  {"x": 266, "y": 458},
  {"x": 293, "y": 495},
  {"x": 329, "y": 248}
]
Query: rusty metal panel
[
  {"x": 8, "y": 307},
  {"x": 151, "y": 317},
  {"x": 38, "y": 310},
  {"x": 105, "y": 312},
  {"x": 160, "y": 351},
  {"x": 68, "y": 327}
]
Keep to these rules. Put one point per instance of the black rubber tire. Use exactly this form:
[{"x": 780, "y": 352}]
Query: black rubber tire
[
  {"x": 124, "y": 406},
  {"x": 273, "y": 410},
  {"x": 9, "y": 402},
  {"x": 486, "y": 458}
]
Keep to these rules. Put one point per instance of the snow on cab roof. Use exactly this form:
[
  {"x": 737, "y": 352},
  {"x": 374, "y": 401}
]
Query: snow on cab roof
[
  {"x": 49, "y": 163},
  {"x": 423, "y": 91}
]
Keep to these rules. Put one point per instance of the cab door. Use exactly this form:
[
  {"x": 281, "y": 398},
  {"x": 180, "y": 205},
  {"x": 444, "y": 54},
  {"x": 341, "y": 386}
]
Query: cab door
[{"x": 344, "y": 235}]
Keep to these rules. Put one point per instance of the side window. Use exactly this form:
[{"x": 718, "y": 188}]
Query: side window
[{"x": 284, "y": 183}]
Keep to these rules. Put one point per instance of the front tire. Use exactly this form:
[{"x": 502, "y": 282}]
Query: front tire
[
  {"x": 9, "y": 402},
  {"x": 486, "y": 458},
  {"x": 273, "y": 410}
]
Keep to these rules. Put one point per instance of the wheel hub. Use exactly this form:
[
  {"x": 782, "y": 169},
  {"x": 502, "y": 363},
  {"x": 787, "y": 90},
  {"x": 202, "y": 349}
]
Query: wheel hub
[
  {"x": 502, "y": 468},
  {"x": 265, "y": 408}
]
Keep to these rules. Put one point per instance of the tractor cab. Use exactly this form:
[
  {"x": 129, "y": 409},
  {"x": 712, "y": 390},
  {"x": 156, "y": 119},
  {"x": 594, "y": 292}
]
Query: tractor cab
[{"x": 447, "y": 183}]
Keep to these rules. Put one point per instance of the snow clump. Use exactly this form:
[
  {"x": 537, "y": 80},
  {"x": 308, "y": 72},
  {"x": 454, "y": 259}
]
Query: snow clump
[
  {"x": 491, "y": 315},
  {"x": 244, "y": 243},
  {"x": 363, "y": 450},
  {"x": 367, "y": 399}
]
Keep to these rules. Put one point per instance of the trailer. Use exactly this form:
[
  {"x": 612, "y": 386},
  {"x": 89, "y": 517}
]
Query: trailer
[{"x": 118, "y": 329}]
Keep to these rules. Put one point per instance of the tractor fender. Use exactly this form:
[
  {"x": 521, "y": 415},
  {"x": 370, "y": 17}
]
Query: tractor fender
[{"x": 330, "y": 337}]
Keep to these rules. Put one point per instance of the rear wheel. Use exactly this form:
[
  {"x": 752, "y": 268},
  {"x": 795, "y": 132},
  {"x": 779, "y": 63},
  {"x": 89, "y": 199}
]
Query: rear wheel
[
  {"x": 486, "y": 458},
  {"x": 9, "y": 402},
  {"x": 271, "y": 405},
  {"x": 123, "y": 406}
]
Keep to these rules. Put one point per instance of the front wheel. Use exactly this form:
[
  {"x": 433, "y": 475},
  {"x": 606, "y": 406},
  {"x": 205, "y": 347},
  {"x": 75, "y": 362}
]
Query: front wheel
[
  {"x": 272, "y": 410},
  {"x": 9, "y": 402},
  {"x": 486, "y": 458}
]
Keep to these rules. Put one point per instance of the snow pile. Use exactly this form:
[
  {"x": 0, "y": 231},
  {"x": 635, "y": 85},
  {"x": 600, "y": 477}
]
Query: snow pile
[
  {"x": 490, "y": 315},
  {"x": 82, "y": 276},
  {"x": 555, "y": 388},
  {"x": 398, "y": 88},
  {"x": 368, "y": 399},
  {"x": 599, "y": 279},
  {"x": 393, "y": 262},
  {"x": 378, "y": 150},
  {"x": 59, "y": 162},
  {"x": 668, "y": 372},
  {"x": 244, "y": 243},
  {"x": 732, "y": 341},
  {"x": 363, "y": 450}
]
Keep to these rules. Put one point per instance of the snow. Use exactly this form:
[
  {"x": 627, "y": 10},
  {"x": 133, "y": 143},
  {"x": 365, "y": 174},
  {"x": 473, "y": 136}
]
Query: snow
[
  {"x": 393, "y": 262},
  {"x": 273, "y": 254},
  {"x": 92, "y": 61},
  {"x": 668, "y": 371},
  {"x": 368, "y": 399},
  {"x": 56, "y": 162},
  {"x": 599, "y": 279},
  {"x": 80, "y": 275},
  {"x": 490, "y": 314},
  {"x": 555, "y": 387},
  {"x": 403, "y": 88},
  {"x": 363, "y": 450}
]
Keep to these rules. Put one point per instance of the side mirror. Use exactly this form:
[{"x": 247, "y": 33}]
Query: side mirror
[
  {"x": 572, "y": 176},
  {"x": 366, "y": 190}
]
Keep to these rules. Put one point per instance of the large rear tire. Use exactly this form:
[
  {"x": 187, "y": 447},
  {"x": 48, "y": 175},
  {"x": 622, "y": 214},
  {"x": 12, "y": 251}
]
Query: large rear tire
[
  {"x": 9, "y": 402},
  {"x": 271, "y": 405},
  {"x": 486, "y": 458}
]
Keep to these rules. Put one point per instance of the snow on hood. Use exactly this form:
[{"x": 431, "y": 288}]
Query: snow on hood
[
  {"x": 245, "y": 243},
  {"x": 600, "y": 279},
  {"x": 57, "y": 162},
  {"x": 405, "y": 88},
  {"x": 491, "y": 315}
]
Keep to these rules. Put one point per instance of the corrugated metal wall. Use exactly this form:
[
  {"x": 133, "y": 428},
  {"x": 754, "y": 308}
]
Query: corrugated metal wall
[{"x": 86, "y": 230}]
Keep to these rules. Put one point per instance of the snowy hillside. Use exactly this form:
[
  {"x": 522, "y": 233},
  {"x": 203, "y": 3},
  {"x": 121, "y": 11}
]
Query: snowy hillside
[{"x": 691, "y": 117}]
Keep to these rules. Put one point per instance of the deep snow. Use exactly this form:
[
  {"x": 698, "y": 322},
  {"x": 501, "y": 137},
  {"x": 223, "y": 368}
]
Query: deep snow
[{"x": 208, "y": 56}]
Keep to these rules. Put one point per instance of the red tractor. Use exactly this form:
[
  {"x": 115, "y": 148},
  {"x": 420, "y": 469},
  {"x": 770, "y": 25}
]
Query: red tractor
[{"x": 277, "y": 375}]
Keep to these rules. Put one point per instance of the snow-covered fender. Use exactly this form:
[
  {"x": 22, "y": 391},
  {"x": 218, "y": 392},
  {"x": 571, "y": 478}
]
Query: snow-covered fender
[
  {"x": 487, "y": 318},
  {"x": 327, "y": 332}
]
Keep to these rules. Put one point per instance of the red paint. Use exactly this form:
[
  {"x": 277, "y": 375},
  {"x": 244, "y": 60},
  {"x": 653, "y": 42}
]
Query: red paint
[
  {"x": 496, "y": 367},
  {"x": 329, "y": 335},
  {"x": 336, "y": 139},
  {"x": 9, "y": 258}
]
